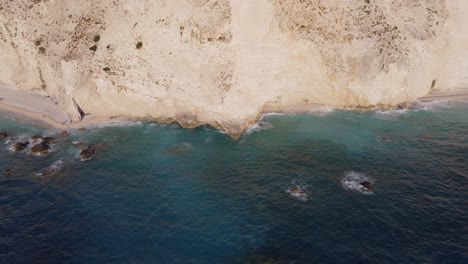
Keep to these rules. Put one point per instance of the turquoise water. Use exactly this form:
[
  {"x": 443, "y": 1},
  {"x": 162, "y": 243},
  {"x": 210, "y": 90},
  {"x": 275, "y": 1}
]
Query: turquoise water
[{"x": 162, "y": 194}]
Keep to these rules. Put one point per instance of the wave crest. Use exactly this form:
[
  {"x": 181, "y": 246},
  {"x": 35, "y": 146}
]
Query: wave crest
[{"x": 357, "y": 181}]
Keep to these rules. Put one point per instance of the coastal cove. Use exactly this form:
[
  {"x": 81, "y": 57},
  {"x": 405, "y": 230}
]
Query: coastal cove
[{"x": 160, "y": 193}]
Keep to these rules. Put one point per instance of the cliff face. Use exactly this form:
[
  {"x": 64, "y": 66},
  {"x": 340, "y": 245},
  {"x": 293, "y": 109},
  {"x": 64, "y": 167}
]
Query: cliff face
[{"x": 223, "y": 62}]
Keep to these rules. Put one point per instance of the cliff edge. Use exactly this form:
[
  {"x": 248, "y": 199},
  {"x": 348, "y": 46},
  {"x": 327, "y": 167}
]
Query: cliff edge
[{"x": 224, "y": 62}]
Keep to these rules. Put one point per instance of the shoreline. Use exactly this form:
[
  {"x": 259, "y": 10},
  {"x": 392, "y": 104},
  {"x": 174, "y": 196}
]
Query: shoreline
[
  {"x": 44, "y": 111},
  {"x": 450, "y": 96}
]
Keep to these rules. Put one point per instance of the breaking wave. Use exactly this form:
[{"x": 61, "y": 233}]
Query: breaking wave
[
  {"x": 390, "y": 114},
  {"x": 357, "y": 181},
  {"x": 259, "y": 126},
  {"x": 53, "y": 169}
]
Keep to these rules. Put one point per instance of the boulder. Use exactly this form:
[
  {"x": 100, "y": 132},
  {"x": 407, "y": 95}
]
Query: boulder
[
  {"x": 36, "y": 138},
  {"x": 367, "y": 185},
  {"x": 64, "y": 133},
  {"x": 87, "y": 153},
  {"x": 49, "y": 140},
  {"x": 21, "y": 146},
  {"x": 8, "y": 171},
  {"x": 42, "y": 148}
]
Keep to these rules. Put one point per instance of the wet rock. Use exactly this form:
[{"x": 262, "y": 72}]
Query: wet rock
[
  {"x": 64, "y": 133},
  {"x": 53, "y": 169},
  {"x": 36, "y": 138},
  {"x": 42, "y": 148},
  {"x": 297, "y": 190},
  {"x": 386, "y": 139},
  {"x": 3, "y": 134},
  {"x": 8, "y": 171},
  {"x": 87, "y": 153},
  {"x": 368, "y": 186},
  {"x": 11, "y": 140},
  {"x": 49, "y": 140},
  {"x": 21, "y": 146}
]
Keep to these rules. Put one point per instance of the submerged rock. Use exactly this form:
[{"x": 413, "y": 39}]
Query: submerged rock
[
  {"x": 3, "y": 134},
  {"x": 21, "y": 146},
  {"x": 36, "y": 138},
  {"x": 49, "y": 140},
  {"x": 42, "y": 148},
  {"x": 53, "y": 169},
  {"x": 87, "y": 153},
  {"x": 358, "y": 181},
  {"x": 64, "y": 133},
  {"x": 386, "y": 139},
  {"x": 297, "y": 190},
  {"x": 367, "y": 186},
  {"x": 8, "y": 171}
]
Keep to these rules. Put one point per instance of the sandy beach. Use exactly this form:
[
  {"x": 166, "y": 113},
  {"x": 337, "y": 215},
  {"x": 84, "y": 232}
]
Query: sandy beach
[
  {"x": 43, "y": 110},
  {"x": 461, "y": 95}
]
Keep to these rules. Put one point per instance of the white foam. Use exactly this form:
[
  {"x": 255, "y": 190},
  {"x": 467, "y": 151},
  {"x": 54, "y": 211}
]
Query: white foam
[
  {"x": 352, "y": 181},
  {"x": 271, "y": 114},
  {"x": 52, "y": 169},
  {"x": 302, "y": 195},
  {"x": 258, "y": 127},
  {"x": 118, "y": 124},
  {"x": 322, "y": 111},
  {"x": 9, "y": 117},
  {"x": 11, "y": 141},
  {"x": 390, "y": 114},
  {"x": 431, "y": 105}
]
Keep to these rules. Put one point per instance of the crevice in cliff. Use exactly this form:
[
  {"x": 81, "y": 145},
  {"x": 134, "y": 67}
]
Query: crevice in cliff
[
  {"x": 78, "y": 108},
  {"x": 433, "y": 84}
]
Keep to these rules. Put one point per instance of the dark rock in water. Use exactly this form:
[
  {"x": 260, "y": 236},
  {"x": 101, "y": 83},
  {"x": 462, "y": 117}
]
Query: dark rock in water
[
  {"x": 399, "y": 107},
  {"x": 36, "y": 138},
  {"x": 3, "y": 134},
  {"x": 48, "y": 140},
  {"x": 297, "y": 190},
  {"x": 367, "y": 185},
  {"x": 87, "y": 153},
  {"x": 386, "y": 139},
  {"x": 42, "y": 148},
  {"x": 181, "y": 149},
  {"x": 21, "y": 146},
  {"x": 81, "y": 129},
  {"x": 64, "y": 134},
  {"x": 427, "y": 137},
  {"x": 8, "y": 171}
]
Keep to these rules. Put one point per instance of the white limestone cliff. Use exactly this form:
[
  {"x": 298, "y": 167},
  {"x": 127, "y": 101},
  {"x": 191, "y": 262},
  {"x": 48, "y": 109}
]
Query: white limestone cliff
[{"x": 224, "y": 62}]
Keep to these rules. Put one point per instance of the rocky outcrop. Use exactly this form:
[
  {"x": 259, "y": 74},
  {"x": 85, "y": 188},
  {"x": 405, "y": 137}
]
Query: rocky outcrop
[{"x": 224, "y": 62}]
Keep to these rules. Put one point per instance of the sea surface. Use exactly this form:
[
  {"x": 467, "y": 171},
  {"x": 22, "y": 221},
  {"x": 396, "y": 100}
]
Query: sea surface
[{"x": 158, "y": 193}]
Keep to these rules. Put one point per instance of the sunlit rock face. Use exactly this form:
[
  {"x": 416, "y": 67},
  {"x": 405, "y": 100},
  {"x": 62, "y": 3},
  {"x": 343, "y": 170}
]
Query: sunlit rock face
[{"x": 224, "y": 62}]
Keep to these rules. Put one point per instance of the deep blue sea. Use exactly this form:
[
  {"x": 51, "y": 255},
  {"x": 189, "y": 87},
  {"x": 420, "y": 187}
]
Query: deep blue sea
[{"x": 158, "y": 193}]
